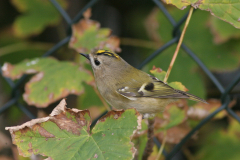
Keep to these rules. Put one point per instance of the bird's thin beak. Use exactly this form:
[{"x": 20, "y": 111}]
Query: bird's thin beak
[{"x": 85, "y": 55}]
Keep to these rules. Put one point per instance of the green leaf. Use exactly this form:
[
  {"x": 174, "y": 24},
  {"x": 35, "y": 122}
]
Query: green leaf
[
  {"x": 176, "y": 117},
  {"x": 222, "y": 31},
  {"x": 178, "y": 85},
  {"x": 142, "y": 144},
  {"x": 158, "y": 73},
  {"x": 89, "y": 98},
  {"x": 53, "y": 81},
  {"x": 37, "y": 14},
  {"x": 65, "y": 135},
  {"x": 171, "y": 117},
  {"x": 88, "y": 35},
  {"x": 228, "y": 11}
]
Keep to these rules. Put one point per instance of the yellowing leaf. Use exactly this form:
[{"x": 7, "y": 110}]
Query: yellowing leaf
[
  {"x": 53, "y": 81},
  {"x": 88, "y": 35},
  {"x": 37, "y": 14},
  {"x": 65, "y": 134},
  {"x": 228, "y": 11},
  {"x": 178, "y": 85},
  {"x": 158, "y": 73}
]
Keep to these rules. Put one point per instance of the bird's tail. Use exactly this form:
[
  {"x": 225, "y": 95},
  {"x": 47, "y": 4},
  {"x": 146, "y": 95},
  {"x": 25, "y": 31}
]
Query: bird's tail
[
  {"x": 192, "y": 97},
  {"x": 195, "y": 98}
]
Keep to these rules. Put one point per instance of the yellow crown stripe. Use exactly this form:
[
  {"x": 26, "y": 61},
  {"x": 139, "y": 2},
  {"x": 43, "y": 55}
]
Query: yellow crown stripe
[
  {"x": 101, "y": 51},
  {"x": 108, "y": 53}
]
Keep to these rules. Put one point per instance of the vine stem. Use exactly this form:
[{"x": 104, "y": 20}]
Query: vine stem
[{"x": 178, "y": 45}]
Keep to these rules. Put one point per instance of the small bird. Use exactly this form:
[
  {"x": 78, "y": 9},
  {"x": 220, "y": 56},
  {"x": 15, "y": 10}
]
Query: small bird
[{"x": 124, "y": 86}]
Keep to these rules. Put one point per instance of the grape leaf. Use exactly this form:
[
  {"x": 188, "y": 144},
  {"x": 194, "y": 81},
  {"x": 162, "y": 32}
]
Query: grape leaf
[
  {"x": 36, "y": 16},
  {"x": 53, "y": 81},
  {"x": 228, "y": 11},
  {"x": 65, "y": 135},
  {"x": 222, "y": 31},
  {"x": 88, "y": 35}
]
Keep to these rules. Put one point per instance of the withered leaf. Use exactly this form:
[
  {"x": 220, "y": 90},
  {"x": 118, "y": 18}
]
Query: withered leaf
[
  {"x": 65, "y": 135},
  {"x": 202, "y": 110},
  {"x": 175, "y": 134}
]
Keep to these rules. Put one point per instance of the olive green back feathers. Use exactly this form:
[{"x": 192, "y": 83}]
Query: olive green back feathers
[{"x": 125, "y": 86}]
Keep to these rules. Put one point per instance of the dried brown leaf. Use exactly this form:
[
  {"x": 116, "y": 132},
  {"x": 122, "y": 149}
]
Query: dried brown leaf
[
  {"x": 175, "y": 134},
  {"x": 88, "y": 13},
  {"x": 201, "y": 110}
]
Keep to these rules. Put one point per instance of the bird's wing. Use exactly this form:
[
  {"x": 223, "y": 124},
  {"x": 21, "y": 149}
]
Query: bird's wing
[{"x": 154, "y": 89}]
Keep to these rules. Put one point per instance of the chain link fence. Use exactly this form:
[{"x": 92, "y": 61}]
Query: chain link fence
[{"x": 225, "y": 93}]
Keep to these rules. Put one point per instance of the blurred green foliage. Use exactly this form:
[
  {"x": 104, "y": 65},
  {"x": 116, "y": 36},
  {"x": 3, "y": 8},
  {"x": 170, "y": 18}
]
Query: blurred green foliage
[
  {"x": 200, "y": 40},
  {"x": 37, "y": 14},
  {"x": 214, "y": 41}
]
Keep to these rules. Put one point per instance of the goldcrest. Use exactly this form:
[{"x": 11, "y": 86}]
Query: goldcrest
[{"x": 124, "y": 86}]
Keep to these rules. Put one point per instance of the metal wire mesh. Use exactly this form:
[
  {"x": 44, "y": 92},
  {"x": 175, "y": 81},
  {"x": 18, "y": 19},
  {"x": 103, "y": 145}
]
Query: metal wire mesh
[{"x": 225, "y": 98}]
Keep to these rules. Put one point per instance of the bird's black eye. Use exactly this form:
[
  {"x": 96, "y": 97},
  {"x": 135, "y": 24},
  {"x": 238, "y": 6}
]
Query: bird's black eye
[{"x": 96, "y": 62}]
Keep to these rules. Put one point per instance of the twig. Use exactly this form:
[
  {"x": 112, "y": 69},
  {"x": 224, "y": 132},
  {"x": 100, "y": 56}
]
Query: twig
[
  {"x": 149, "y": 146},
  {"x": 178, "y": 45},
  {"x": 162, "y": 146}
]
